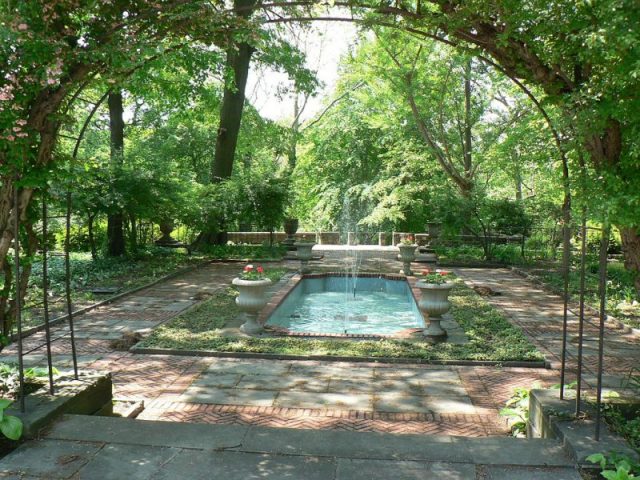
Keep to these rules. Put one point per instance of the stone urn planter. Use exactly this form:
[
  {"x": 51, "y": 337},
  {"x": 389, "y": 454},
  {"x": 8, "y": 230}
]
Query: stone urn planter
[
  {"x": 252, "y": 299},
  {"x": 433, "y": 303},
  {"x": 290, "y": 228},
  {"x": 305, "y": 254},
  {"x": 166, "y": 227},
  {"x": 407, "y": 255}
]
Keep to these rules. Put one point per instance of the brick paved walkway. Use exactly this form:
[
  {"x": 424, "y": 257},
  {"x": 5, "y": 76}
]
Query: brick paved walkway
[{"x": 540, "y": 313}]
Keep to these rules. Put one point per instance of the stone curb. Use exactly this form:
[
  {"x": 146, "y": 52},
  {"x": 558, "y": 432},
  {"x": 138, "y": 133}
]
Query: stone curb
[
  {"x": 88, "y": 308},
  {"x": 90, "y": 393},
  {"x": 549, "y": 418},
  {"x": 336, "y": 358},
  {"x": 574, "y": 306}
]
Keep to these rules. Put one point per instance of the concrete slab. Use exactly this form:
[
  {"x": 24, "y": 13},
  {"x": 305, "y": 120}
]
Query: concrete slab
[
  {"x": 249, "y": 367},
  {"x": 198, "y": 465},
  {"x": 402, "y": 402},
  {"x": 51, "y": 459},
  {"x": 340, "y": 401},
  {"x": 140, "y": 432},
  {"x": 283, "y": 382},
  {"x": 216, "y": 379},
  {"x": 362, "y": 445},
  {"x": 228, "y": 396},
  {"x": 529, "y": 473},
  {"x": 510, "y": 451},
  {"x": 131, "y": 462},
  {"x": 350, "y": 469}
]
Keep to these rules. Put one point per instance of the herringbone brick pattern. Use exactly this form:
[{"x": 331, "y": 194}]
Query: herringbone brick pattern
[{"x": 354, "y": 421}]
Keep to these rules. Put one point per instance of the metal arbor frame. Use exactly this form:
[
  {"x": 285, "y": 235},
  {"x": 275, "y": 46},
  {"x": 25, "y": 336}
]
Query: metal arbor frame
[
  {"x": 45, "y": 279},
  {"x": 602, "y": 293}
]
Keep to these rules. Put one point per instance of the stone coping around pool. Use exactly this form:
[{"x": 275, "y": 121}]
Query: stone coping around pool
[
  {"x": 293, "y": 282},
  {"x": 341, "y": 358},
  {"x": 551, "y": 417},
  {"x": 85, "y": 396}
]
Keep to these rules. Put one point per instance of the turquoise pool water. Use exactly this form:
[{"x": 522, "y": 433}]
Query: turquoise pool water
[{"x": 330, "y": 305}]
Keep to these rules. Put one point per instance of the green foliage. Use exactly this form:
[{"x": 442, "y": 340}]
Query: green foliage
[
  {"x": 244, "y": 252},
  {"x": 10, "y": 426},
  {"x": 616, "y": 466},
  {"x": 517, "y": 410}
]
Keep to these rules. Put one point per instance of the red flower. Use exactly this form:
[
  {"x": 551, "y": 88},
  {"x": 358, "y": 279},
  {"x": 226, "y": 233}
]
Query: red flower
[
  {"x": 248, "y": 268},
  {"x": 260, "y": 269},
  {"x": 426, "y": 271},
  {"x": 444, "y": 273}
]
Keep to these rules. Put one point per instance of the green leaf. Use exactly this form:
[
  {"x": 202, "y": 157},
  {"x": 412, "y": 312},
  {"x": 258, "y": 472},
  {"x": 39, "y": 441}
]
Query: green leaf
[
  {"x": 598, "y": 458},
  {"x": 11, "y": 427}
]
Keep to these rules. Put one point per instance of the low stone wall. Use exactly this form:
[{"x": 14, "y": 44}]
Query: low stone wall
[{"x": 85, "y": 396}]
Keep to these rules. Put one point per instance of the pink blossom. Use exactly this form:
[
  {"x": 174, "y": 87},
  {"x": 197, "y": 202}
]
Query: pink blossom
[
  {"x": 16, "y": 129},
  {"x": 51, "y": 81},
  {"x": 22, "y": 122},
  {"x": 23, "y": 134},
  {"x": 22, "y": 27},
  {"x": 11, "y": 138}
]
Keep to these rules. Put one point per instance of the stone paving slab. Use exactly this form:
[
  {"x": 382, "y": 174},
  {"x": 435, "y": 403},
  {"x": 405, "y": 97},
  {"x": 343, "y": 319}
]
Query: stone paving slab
[
  {"x": 130, "y": 462},
  {"x": 339, "y": 401},
  {"x": 245, "y": 466},
  {"x": 227, "y": 396},
  {"x": 127, "y": 431},
  {"x": 51, "y": 459},
  {"x": 399, "y": 402},
  {"x": 529, "y": 473},
  {"x": 354, "y": 469}
]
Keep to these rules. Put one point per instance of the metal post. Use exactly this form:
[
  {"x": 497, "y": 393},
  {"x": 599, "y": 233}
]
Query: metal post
[
  {"x": 566, "y": 257},
  {"x": 602, "y": 292},
  {"x": 67, "y": 268},
  {"x": 16, "y": 243},
  {"x": 583, "y": 254},
  {"x": 45, "y": 288}
]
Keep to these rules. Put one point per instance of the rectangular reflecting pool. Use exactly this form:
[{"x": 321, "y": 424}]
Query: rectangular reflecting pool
[{"x": 337, "y": 304}]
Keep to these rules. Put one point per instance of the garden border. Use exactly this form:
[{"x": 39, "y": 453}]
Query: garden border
[{"x": 337, "y": 358}]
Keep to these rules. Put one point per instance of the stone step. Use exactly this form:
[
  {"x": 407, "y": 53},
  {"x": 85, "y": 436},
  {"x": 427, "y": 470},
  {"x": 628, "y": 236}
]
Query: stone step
[
  {"x": 110, "y": 447},
  {"x": 323, "y": 443}
]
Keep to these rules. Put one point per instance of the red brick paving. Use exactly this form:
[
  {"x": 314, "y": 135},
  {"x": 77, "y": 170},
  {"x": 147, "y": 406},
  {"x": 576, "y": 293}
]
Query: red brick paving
[{"x": 406, "y": 423}]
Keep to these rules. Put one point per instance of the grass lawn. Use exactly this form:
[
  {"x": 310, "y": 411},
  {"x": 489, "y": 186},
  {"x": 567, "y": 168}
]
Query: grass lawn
[{"x": 491, "y": 336}]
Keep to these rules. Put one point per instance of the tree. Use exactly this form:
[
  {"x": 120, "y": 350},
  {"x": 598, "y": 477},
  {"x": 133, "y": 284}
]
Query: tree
[{"x": 115, "y": 219}]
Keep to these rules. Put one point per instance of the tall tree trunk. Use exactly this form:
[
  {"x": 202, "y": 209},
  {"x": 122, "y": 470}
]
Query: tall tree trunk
[
  {"x": 238, "y": 61},
  {"x": 92, "y": 239},
  {"x": 468, "y": 161},
  {"x": 115, "y": 220},
  {"x": 630, "y": 237}
]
